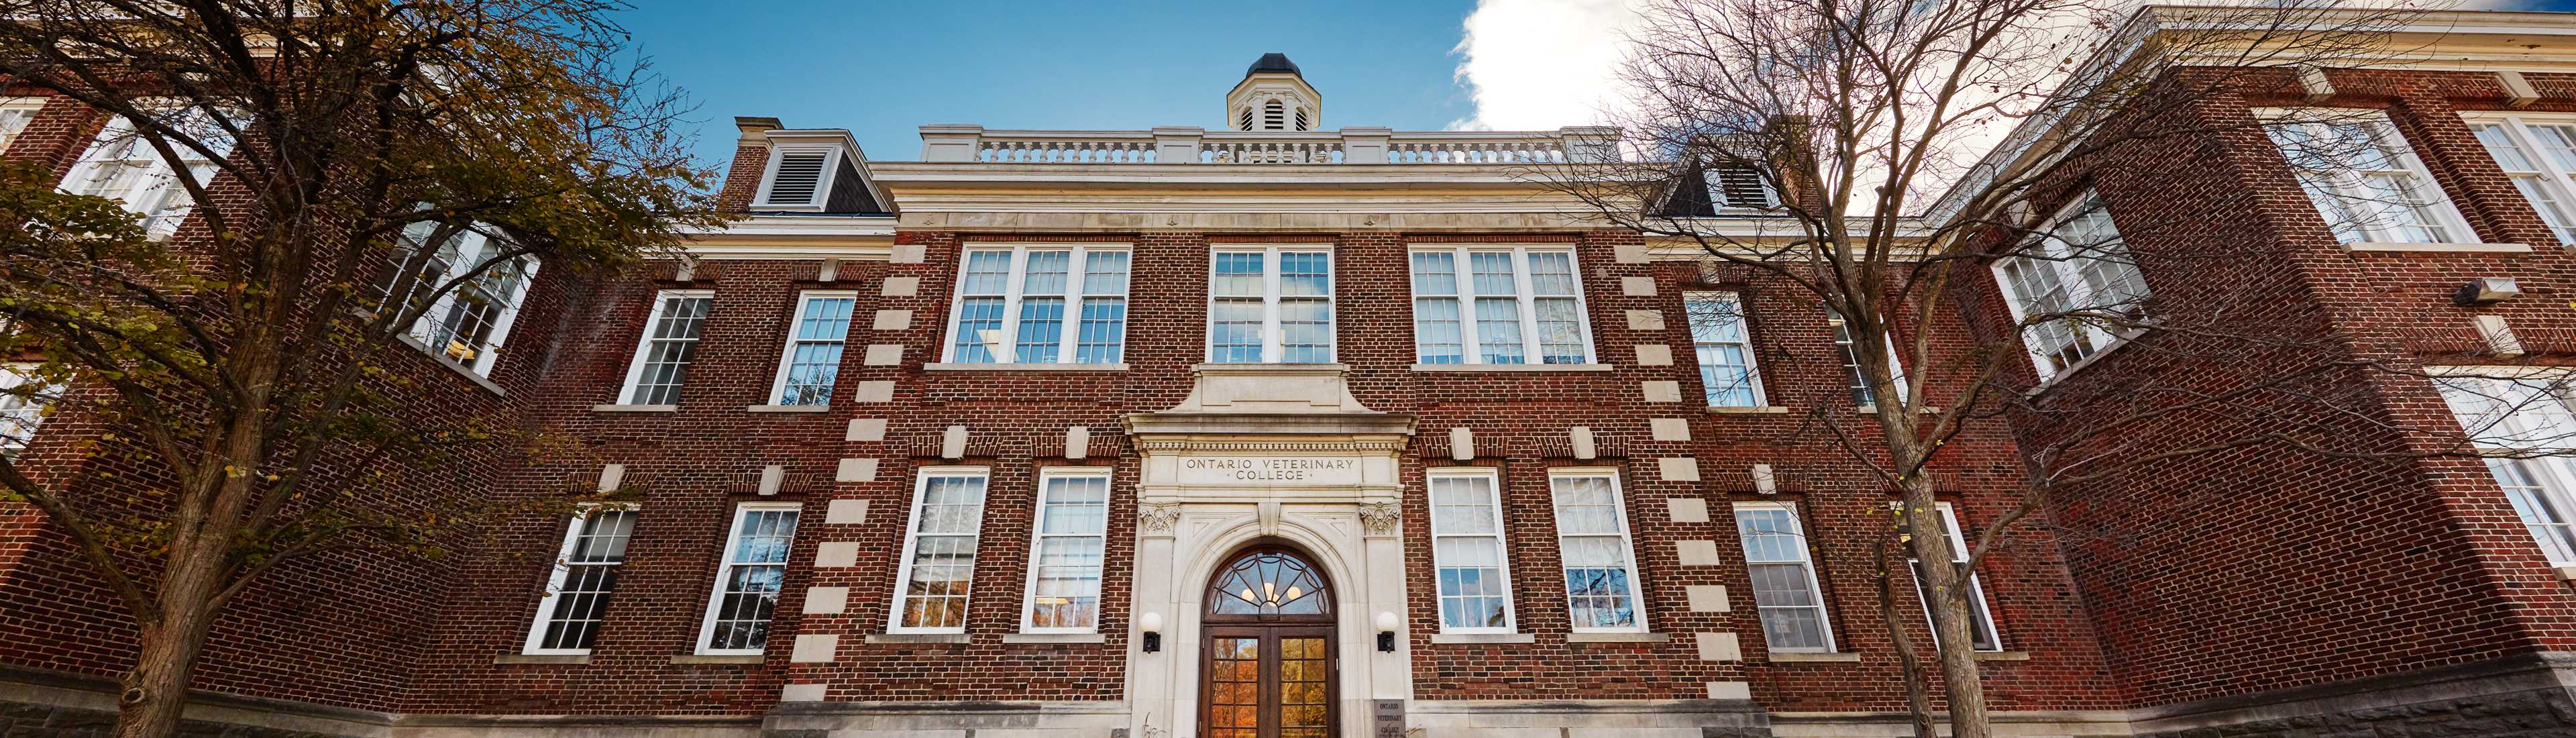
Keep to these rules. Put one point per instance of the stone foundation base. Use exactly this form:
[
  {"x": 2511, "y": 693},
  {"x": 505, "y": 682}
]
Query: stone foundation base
[{"x": 2527, "y": 695}]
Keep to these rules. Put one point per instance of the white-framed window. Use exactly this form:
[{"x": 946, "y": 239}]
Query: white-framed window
[
  {"x": 1014, "y": 304},
  {"x": 584, "y": 574},
  {"x": 938, "y": 565},
  {"x": 2537, "y": 152},
  {"x": 2067, "y": 283},
  {"x": 1498, "y": 305},
  {"x": 1725, "y": 349},
  {"x": 668, "y": 345},
  {"x": 15, "y": 114},
  {"x": 468, "y": 324},
  {"x": 1981, "y": 621},
  {"x": 748, "y": 579},
  {"x": 1791, "y": 603},
  {"x": 1592, "y": 540},
  {"x": 1270, "y": 305},
  {"x": 1468, "y": 551},
  {"x": 121, "y": 165},
  {"x": 2363, "y": 176},
  {"x": 23, "y": 399},
  {"x": 1861, "y": 394},
  {"x": 2524, "y": 411},
  {"x": 1065, "y": 558},
  {"x": 798, "y": 177},
  {"x": 812, "y": 359}
]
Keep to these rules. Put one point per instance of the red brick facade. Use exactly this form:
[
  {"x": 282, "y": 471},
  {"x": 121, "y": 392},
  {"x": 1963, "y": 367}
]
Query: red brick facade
[{"x": 2223, "y": 576}]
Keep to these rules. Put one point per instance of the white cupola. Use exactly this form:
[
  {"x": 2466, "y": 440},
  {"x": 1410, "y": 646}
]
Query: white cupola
[{"x": 1274, "y": 96}]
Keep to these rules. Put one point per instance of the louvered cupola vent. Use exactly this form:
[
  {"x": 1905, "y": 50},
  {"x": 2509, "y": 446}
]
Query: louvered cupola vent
[{"x": 799, "y": 175}]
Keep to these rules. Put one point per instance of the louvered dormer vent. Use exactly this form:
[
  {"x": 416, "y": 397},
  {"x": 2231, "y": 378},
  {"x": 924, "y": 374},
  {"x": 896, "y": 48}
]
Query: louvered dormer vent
[
  {"x": 800, "y": 175},
  {"x": 1741, "y": 187}
]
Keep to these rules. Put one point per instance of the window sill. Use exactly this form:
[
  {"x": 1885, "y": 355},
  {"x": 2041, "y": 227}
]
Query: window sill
[
  {"x": 1872, "y": 409},
  {"x": 1514, "y": 367},
  {"x": 459, "y": 369},
  {"x": 1756, "y": 410},
  {"x": 719, "y": 658},
  {"x": 1118, "y": 367},
  {"x": 2567, "y": 573},
  {"x": 569, "y": 659},
  {"x": 1052, "y": 638},
  {"x": 2437, "y": 248},
  {"x": 1618, "y": 638},
  {"x": 1808, "y": 657},
  {"x": 1483, "y": 638},
  {"x": 916, "y": 638},
  {"x": 634, "y": 408},
  {"x": 2003, "y": 655},
  {"x": 788, "y": 409}
]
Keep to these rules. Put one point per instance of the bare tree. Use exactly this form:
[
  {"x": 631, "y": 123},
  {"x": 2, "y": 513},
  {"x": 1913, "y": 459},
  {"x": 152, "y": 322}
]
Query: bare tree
[
  {"x": 307, "y": 195},
  {"x": 1898, "y": 160}
]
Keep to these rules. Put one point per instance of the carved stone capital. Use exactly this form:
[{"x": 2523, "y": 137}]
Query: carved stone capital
[
  {"x": 1380, "y": 518},
  {"x": 1157, "y": 520}
]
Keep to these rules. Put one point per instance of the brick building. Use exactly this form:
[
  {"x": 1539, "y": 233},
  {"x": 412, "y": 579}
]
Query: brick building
[{"x": 1313, "y": 432}]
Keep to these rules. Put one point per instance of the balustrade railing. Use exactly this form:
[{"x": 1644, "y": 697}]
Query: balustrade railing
[{"x": 968, "y": 143}]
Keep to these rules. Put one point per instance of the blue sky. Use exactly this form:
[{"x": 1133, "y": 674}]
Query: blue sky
[{"x": 882, "y": 69}]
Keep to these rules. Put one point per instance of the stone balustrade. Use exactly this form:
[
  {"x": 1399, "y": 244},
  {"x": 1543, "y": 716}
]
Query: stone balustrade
[{"x": 1187, "y": 145}]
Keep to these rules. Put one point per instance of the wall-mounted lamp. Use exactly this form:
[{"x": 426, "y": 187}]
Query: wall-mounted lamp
[
  {"x": 2486, "y": 290},
  {"x": 1151, "y": 624},
  {"x": 1386, "y": 625}
]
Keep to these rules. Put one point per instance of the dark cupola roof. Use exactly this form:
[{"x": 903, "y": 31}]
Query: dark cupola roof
[{"x": 1273, "y": 62}]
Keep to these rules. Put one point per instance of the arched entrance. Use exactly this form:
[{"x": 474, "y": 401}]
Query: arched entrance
[{"x": 1268, "y": 667}]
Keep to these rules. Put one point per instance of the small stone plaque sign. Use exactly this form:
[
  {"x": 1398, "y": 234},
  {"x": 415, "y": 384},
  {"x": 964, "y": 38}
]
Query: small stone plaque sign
[{"x": 1390, "y": 719}]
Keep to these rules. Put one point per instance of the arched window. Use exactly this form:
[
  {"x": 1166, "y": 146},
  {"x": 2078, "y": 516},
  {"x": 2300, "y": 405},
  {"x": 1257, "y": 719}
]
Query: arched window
[
  {"x": 1268, "y": 583},
  {"x": 1274, "y": 116}
]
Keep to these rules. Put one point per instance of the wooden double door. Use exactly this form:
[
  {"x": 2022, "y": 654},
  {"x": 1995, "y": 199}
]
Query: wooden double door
[{"x": 1268, "y": 668}]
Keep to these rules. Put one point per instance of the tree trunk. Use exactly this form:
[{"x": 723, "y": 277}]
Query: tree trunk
[
  {"x": 1948, "y": 608},
  {"x": 1918, "y": 705},
  {"x": 155, "y": 691}
]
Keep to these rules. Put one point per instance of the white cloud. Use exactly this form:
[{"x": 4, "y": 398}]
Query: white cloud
[{"x": 1541, "y": 64}]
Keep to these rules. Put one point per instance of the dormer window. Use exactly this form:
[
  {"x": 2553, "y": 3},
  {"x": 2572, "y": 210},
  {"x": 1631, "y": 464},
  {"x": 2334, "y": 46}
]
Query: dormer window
[
  {"x": 816, "y": 172},
  {"x": 797, "y": 177}
]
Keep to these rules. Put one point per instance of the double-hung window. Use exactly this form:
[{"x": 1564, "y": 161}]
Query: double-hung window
[
  {"x": 1861, "y": 393},
  {"x": 1784, "y": 578},
  {"x": 585, "y": 572},
  {"x": 122, "y": 165},
  {"x": 1498, "y": 305},
  {"x": 1270, "y": 305},
  {"x": 468, "y": 323},
  {"x": 670, "y": 342},
  {"x": 2537, "y": 152},
  {"x": 2513, "y": 412},
  {"x": 748, "y": 580},
  {"x": 938, "y": 564},
  {"x": 814, "y": 341},
  {"x": 15, "y": 114},
  {"x": 1592, "y": 540},
  {"x": 1064, "y": 565},
  {"x": 2070, "y": 285},
  {"x": 23, "y": 399},
  {"x": 1981, "y": 622},
  {"x": 1041, "y": 304},
  {"x": 2364, "y": 178},
  {"x": 1467, "y": 550},
  {"x": 1725, "y": 349}
]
